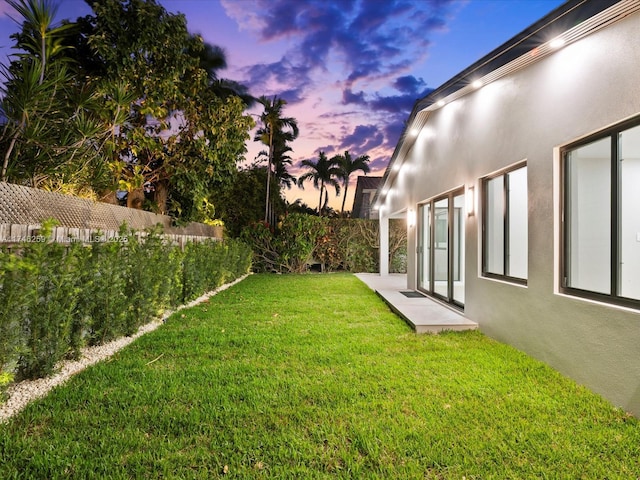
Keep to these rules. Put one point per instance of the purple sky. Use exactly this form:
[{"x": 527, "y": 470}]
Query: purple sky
[{"x": 350, "y": 69}]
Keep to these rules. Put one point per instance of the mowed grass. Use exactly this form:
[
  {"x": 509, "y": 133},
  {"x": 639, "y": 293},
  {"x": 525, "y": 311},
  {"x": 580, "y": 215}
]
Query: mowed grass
[{"x": 313, "y": 377}]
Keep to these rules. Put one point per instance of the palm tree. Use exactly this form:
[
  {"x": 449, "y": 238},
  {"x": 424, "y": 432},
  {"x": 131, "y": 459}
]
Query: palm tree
[
  {"x": 324, "y": 172},
  {"x": 281, "y": 159},
  {"x": 349, "y": 165},
  {"x": 273, "y": 123}
]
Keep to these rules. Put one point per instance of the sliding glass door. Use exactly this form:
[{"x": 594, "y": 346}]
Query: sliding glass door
[{"x": 441, "y": 248}]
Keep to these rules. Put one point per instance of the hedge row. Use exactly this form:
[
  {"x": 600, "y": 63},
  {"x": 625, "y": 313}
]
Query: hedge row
[
  {"x": 55, "y": 299},
  {"x": 299, "y": 242}
]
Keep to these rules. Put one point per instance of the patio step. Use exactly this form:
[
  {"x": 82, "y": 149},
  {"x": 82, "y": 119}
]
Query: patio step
[
  {"x": 421, "y": 313},
  {"x": 425, "y": 315}
]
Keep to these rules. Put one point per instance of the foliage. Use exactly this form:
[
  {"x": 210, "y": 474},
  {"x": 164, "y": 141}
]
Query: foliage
[
  {"x": 50, "y": 128},
  {"x": 276, "y": 378},
  {"x": 184, "y": 132},
  {"x": 300, "y": 240},
  {"x": 275, "y": 132},
  {"x": 206, "y": 266},
  {"x": 241, "y": 202},
  {"x": 349, "y": 165},
  {"x": 289, "y": 248},
  {"x": 90, "y": 108},
  {"x": 56, "y": 298},
  {"x": 349, "y": 245},
  {"x": 323, "y": 173},
  {"x": 353, "y": 245}
]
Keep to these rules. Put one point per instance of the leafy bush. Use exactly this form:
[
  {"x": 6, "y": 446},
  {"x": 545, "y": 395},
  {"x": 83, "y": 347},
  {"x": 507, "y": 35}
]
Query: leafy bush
[
  {"x": 300, "y": 240},
  {"x": 56, "y": 298},
  {"x": 104, "y": 315},
  {"x": 350, "y": 244},
  {"x": 290, "y": 247},
  {"x": 52, "y": 289}
]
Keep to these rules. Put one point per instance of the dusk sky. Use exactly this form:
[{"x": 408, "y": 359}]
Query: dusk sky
[{"x": 351, "y": 70}]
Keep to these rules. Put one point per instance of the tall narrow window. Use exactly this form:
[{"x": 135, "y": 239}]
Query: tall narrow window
[
  {"x": 505, "y": 225},
  {"x": 601, "y": 230}
]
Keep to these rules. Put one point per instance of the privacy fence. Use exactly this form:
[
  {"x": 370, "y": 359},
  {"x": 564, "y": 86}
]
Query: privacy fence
[{"x": 23, "y": 209}]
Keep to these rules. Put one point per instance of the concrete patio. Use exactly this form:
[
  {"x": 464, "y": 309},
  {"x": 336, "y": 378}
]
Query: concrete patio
[{"x": 422, "y": 313}]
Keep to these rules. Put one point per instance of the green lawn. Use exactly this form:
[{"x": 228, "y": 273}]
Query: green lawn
[{"x": 313, "y": 377}]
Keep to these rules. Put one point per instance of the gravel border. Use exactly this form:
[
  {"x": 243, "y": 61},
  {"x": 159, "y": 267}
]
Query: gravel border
[{"x": 20, "y": 394}]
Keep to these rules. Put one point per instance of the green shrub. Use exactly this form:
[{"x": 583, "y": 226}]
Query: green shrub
[
  {"x": 350, "y": 244},
  {"x": 335, "y": 243},
  {"x": 150, "y": 280},
  {"x": 57, "y": 298},
  {"x": 13, "y": 301},
  {"x": 202, "y": 268},
  {"x": 105, "y": 303},
  {"x": 51, "y": 298},
  {"x": 289, "y": 248}
]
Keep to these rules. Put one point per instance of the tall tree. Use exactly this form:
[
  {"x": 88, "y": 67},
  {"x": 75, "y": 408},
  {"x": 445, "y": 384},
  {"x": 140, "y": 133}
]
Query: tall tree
[
  {"x": 281, "y": 160},
  {"x": 323, "y": 173},
  {"x": 273, "y": 124},
  {"x": 241, "y": 203},
  {"x": 183, "y": 136},
  {"x": 349, "y": 165},
  {"x": 104, "y": 109}
]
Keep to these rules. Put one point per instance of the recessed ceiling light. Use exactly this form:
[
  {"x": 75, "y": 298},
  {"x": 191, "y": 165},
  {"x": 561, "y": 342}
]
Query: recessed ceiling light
[
  {"x": 440, "y": 103},
  {"x": 414, "y": 132},
  {"x": 477, "y": 84},
  {"x": 557, "y": 42}
]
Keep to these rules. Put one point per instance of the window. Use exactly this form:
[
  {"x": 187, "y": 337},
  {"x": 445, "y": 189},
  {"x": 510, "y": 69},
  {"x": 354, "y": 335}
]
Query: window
[
  {"x": 601, "y": 230},
  {"x": 504, "y": 225}
]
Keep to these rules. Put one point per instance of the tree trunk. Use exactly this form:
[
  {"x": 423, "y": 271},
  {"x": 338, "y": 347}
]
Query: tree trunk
[
  {"x": 344, "y": 199},
  {"x": 320, "y": 200},
  {"x": 109, "y": 197},
  {"x": 161, "y": 195},
  {"x": 135, "y": 198},
  {"x": 266, "y": 203},
  {"x": 14, "y": 139}
]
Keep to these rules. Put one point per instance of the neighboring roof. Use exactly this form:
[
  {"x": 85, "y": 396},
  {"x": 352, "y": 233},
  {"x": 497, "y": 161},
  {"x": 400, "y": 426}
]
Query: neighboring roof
[
  {"x": 367, "y": 183},
  {"x": 573, "y": 20},
  {"x": 363, "y": 183}
]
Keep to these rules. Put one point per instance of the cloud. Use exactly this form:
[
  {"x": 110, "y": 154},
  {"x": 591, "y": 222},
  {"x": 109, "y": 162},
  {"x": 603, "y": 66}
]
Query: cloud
[
  {"x": 393, "y": 109},
  {"x": 409, "y": 84},
  {"x": 363, "y": 139},
  {"x": 359, "y": 52},
  {"x": 362, "y": 38}
]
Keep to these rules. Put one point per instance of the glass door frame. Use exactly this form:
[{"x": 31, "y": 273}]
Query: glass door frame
[{"x": 426, "y": 279}]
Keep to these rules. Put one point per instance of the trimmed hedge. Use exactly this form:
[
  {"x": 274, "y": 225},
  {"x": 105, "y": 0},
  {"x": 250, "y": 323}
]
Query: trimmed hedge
[
  {"x": 299, "y": 241},
  {"x": 55, "y": 298}
]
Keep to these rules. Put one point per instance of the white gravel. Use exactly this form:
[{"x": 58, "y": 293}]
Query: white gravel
[{"x": 20, "y": 394}]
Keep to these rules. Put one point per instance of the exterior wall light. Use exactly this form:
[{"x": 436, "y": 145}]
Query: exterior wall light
[
  {"x": 471, "y": 201},
  {"x": 411, "y": 218},
  {"x": 440, "y": 103},
  {"x": 477, "y": 84},
  {"x": 557, "y": 42}
]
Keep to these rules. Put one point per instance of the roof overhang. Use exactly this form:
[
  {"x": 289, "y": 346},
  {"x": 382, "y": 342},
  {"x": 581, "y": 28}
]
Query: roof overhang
[{"x": 568, "y": 23}]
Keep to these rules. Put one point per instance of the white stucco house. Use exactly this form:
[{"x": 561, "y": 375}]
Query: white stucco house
[{"x": 520, "y": 182}]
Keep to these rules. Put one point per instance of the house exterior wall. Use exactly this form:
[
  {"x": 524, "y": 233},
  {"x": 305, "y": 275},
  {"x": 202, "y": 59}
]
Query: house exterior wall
[{"x": 527, "y": 116}]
